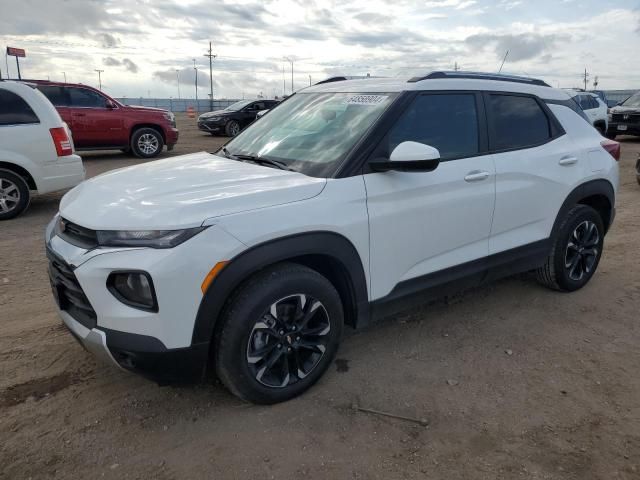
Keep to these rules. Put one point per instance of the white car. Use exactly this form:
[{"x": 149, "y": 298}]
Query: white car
[
  {"x": 36, "y": 150},
  {"x": 349, "y": 201},
  {"x": 594, "y": 108}
]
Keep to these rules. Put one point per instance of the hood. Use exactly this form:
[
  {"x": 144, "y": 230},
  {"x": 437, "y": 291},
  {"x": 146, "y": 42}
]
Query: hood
[
  {"x": 182, "y": 192},
  {"x": 216, "y": 113},
  {"x": 149, "y": 109},
  {"x": 623, "y": 109}
]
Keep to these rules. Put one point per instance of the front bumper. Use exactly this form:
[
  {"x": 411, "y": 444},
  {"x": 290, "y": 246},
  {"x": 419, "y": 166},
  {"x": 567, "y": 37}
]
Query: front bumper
[
  {"x": 210, "y": 127},
  {"x": 631, "y": 128},
  {"x": 172, "y": 135},
  {"x": 158, "y": 345}
]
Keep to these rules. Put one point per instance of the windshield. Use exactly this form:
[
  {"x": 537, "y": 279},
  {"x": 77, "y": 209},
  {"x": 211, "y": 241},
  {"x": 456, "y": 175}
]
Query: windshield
[
  {"x": 312, "y": 132},
  {"x": 632, "y": 101},
  {"x": 238, "y": 105}
]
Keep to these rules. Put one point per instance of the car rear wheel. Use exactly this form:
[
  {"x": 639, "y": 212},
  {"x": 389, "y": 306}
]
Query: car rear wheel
[
  {"x": 280, "y": 332},
  {"x": 576, "y": 251},
  {"x": 14, "y": 195},
  {"x": 146, "y": 143},
  {"x": 232, "y": 129}
]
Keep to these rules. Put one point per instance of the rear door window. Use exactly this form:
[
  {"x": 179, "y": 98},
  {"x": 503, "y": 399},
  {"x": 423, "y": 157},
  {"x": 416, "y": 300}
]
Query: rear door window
[
  {"x": 516, "y": 122},
  {"x": 448, "y": 122},
  {"x": 14, "y": 110},
  {"x": 56, "y": 95},
  {"x": 85, "y": 98}
]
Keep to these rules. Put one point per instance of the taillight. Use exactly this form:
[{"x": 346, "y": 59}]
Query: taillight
[
  {"x": 62, "y": 141},
  {"x": 612, "y": 147}
]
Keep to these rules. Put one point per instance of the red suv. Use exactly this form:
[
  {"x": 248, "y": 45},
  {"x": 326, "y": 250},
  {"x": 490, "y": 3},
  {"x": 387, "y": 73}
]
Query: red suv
[{"x": 98, "y": 122}]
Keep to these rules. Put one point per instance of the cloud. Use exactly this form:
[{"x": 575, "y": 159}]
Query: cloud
[
  {"x": 126, "y": 63},
  {"x": 130, "y": 65},
  {"x": 186, "y": 75},
  {"x": 111, "y": 62},
  {"x": 107, "y": 40},
  {"x": 522, "y": 46}
]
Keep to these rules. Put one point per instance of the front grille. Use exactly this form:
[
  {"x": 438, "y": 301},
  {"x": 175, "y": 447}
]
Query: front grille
[
  {"x": 631, "y": 118},
  {"x": 77, "y": 235},
  {"x": 67, "y": 291}
]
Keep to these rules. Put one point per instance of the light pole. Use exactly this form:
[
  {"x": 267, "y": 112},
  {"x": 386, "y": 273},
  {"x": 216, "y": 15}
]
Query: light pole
[
  {"x": 99, "y": 78},
  {"x": 291, "y": 62},
  {"x": 65, "y": 76},
  {"x": 211, "y": 57},
  {"x": 196, "y": 69},
  {"x": 178, "y": 79}
]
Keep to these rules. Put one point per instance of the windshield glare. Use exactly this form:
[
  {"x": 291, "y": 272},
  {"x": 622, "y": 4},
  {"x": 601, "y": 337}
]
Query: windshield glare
[
  {"x": 632, "y": 101},
  {"x": 238, "y": 105},
  {"x": 312, "y": 132}
]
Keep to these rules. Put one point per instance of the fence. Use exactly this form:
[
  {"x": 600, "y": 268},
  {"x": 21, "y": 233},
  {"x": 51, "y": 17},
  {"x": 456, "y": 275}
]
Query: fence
[{"x": 175, "y": 105}]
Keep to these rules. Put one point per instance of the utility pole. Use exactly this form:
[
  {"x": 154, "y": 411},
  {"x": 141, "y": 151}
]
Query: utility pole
[
  {"x": 99, "y": 78},
  {"x": 586, "y": 76},
  {"x": 309, "y": 80},
  {"x": 178, "y": 79},
  {"x": 503, "y": 60},
  {"x": 456, "y": 67},
  {"x": 595, "y": 82},
  {"x": 65, "y": 76},
  {"x": 196, "y": 69},
  {"x": 291, "y": 62},
  {"x": 211, "y": 57},
  {"x": 284, "y": 85}
]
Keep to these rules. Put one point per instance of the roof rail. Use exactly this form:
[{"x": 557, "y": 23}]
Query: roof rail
[{"x": 480, "y": 76}]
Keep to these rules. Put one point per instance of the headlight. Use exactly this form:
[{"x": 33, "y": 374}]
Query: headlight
[
  {"x": 170, "y": 117},
  {"x": 146, "y": 238},
  {"x": 134, "y": 289}
]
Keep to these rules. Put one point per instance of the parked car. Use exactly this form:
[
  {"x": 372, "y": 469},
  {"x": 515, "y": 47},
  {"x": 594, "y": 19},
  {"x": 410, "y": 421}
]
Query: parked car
[
  {"x": 625, "y": 118},
  {"x": 594, "y": 108},
  {"x": 234, "y": 118},
  {"x": 36, "y": 150},
  {"x": 99, "y": 122},
  {"x": 349, "y": 201},
  {"x": 603, "y": 96}
]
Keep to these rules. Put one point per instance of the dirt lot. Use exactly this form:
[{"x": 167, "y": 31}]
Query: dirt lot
[{"x": 515, "y": 381}]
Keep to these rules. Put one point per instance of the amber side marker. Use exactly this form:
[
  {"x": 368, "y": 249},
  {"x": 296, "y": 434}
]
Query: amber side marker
[{"x": 217, "y": 268}]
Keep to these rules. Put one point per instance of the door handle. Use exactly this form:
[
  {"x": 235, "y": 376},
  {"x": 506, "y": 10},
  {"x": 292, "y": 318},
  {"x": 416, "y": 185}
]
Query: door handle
[
  {"x": 476, "y": 176},
  {"x": 79, "y": 114},
  {"x": 568, "y": 161}
]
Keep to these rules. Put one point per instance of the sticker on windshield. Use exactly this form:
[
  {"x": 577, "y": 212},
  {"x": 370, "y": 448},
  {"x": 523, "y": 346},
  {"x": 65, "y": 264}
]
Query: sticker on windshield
[{"x": 366, "y": 99}]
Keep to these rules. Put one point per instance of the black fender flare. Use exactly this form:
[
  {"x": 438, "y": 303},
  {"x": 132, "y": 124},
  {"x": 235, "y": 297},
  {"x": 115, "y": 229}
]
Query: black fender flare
[
  {"x": 582, "y": 191},
  {"x": 281, "y": 249}
]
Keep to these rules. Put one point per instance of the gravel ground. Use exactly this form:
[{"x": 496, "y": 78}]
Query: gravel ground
[{"x": 514, "y": 380}]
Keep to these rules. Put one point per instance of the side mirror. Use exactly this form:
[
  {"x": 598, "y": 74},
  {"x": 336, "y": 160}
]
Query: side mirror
[
  {"x": 409, "y": 157},
  {"x": 110, "y": 104}
]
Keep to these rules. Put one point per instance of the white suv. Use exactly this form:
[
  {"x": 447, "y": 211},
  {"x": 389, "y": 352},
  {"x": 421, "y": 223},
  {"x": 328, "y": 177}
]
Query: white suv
[
  {"x": 36, "y": 151},
  {"x": 349, "y": 201},
  {"x": 594, "y": 108}
]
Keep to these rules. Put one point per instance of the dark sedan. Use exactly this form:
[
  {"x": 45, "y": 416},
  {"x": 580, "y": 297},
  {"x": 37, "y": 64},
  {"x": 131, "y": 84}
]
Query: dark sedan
[{"x": 234, "y": 118}]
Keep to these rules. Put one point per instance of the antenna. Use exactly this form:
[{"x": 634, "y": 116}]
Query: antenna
[{"x": 503, "y": 60}]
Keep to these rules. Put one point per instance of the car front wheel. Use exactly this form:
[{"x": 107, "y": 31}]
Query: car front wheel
[
  {"x": 146, "y": 143},
  {"x": 232, "y": 129},
  {"x": 280, "y": 332},
  {"x": 576, "y": 251},
  {"x": 14, "y": 195}
]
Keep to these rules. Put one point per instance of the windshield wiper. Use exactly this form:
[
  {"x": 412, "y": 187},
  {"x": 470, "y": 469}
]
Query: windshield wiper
[{"x": 258, "y": 160}]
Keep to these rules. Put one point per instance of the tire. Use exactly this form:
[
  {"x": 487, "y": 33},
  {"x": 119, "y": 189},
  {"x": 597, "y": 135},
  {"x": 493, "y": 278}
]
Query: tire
[
  {"x": 14, "y": 195},
  {"x": 261, "y": 357},
  {"x": 576, "y": 251},
  {"x": 611, "y": 135},
  {"x": 600, "y": 128},
  {"x": 146, "y": 143},
  {"x": 232, "y": 128}
]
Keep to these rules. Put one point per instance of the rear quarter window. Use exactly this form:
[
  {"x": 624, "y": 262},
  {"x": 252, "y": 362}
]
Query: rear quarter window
[
  {"x": 14, "y": 110},
  {"x": 516, "y": 122}
]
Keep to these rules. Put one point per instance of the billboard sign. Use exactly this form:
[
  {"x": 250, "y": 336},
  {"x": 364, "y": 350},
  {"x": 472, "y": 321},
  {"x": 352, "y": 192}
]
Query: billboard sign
[{"x": 16, "y": 52}]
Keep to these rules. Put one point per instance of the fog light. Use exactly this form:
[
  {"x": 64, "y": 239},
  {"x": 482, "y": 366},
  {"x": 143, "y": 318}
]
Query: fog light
[{"x": 134, "y": 289}]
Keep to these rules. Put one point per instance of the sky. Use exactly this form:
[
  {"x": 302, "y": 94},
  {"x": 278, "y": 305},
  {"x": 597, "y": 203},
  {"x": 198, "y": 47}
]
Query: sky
[{"x": 141, "y": 43}]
